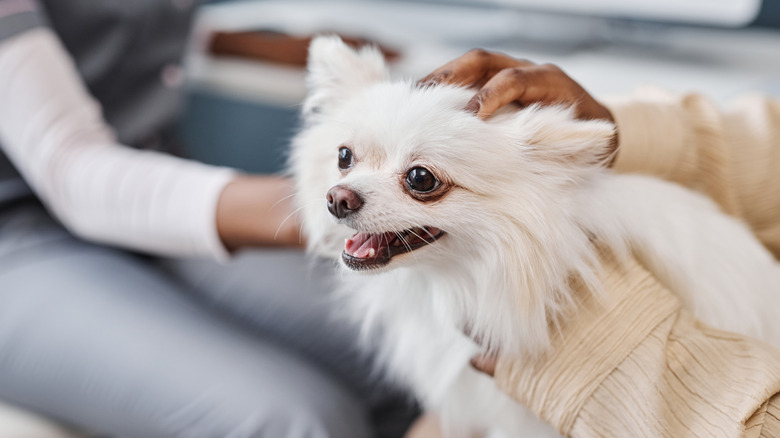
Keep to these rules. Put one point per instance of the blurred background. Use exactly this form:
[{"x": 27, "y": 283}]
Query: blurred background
[
  {"x": 722, "y": 48},
  {"x": 241, "y": 112}
]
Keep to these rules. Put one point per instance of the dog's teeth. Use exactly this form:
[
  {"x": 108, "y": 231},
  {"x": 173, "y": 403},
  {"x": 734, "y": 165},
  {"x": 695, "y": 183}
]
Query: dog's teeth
[{"x": 371, "y": 252}]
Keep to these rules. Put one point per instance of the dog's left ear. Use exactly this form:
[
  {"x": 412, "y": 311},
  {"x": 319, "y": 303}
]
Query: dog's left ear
[
  {"x": 553, "y": 134},
  {"x": 335, "y": 70}
]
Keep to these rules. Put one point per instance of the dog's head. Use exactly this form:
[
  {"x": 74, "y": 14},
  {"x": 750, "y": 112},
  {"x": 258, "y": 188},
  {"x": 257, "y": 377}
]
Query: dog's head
[{"x": 394, "y": 175}]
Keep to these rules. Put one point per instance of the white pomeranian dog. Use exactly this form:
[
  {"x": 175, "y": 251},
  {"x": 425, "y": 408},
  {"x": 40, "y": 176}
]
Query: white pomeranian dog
[{"x": 443, "y": 221}]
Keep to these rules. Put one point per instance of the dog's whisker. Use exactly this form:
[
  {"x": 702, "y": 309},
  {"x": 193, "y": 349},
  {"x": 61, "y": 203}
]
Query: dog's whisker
[
  {"x": 282, "y": 200},
  {"x": 411, "y": 231},
  {"x": 403, "y": 241},
  {"x": 425, "y": 229},
  {"x": 303, "y": 219},
  {"x": 428, "y": 233},
  {"x": 279, "y": 228},
  {"x": 300, "y": 230},
  {"x": 438, "y": 248},
  {"x": 383, "y": 241}
]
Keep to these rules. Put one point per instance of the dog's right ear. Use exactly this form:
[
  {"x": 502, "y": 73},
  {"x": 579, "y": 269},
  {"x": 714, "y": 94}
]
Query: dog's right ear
[
  {"x": 336, "y": 70},
  {"x": 552, "y": 133}
]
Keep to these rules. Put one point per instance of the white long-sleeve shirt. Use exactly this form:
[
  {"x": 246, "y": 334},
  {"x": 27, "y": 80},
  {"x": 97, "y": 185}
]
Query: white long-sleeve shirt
[{"x": 54, "y": 133}]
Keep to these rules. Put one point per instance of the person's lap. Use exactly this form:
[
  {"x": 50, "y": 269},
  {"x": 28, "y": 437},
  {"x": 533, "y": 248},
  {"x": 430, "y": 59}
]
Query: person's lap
[
  {"x": 281, "y": 294},
  {"x": 255, "y": 287},
  {"x": 98, "y": 337}
]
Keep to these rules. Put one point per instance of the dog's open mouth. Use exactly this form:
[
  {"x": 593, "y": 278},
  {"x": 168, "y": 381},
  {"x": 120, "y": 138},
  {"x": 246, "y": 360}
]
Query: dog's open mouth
[{"x": 370, "y": 251}]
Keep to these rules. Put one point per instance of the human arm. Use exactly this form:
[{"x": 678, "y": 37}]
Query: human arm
[
  {"x": 263, "y": 45},
  {"x": 634, "y": 362},
  {"x": 255, "y": 210},
  {"x": 631, "y": 361},
  {"x": 731, "y": 154},
  {"x": 53, "y": 131}
]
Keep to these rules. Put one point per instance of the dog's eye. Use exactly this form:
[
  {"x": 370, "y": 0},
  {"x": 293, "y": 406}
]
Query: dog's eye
[
  {"x": 421, "y": 180},
  {"x": 345, "y": 158}
]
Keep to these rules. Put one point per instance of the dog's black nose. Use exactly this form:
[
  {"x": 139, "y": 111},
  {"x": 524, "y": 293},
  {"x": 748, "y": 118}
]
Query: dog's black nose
[{"x": 343, "y": 201}]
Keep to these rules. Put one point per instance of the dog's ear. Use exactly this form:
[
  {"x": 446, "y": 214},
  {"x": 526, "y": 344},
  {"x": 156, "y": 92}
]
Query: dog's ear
[
  {"x": 335, "y": 70},
  {"x": 552, "y": 133}
]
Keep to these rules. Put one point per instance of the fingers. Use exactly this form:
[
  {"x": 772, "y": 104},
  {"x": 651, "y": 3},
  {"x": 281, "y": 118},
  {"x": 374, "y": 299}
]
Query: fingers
[
  {"x": 502, "y": 80},
  {"x": 485, "y": 363},
  {"x": 543, "y": 84},
  {"x": 472, "y": 69},
  {"x": 523, "y": 85}
]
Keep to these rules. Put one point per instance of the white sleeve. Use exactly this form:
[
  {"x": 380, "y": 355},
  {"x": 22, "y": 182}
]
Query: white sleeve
[{"x": 54, "y": 133}]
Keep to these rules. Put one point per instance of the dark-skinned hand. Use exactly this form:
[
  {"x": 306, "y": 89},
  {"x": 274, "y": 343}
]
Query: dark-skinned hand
[{"x": 502, "y": 79}]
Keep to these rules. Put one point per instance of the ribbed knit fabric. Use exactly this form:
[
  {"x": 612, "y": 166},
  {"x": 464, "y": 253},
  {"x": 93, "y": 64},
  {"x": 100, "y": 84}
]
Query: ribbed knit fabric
[
  {"x": 636, "y": 364},
  {"x": 641, "y": 366},
  {"x": 732, "y": 155}
]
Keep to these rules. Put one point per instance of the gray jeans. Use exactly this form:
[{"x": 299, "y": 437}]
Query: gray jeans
[{"x": 135, "y": 347}]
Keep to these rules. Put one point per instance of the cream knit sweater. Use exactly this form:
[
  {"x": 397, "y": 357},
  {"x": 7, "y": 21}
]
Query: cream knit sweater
[
  {"x": 640, "y": 365},
  {"x": 733, "y": 155}
]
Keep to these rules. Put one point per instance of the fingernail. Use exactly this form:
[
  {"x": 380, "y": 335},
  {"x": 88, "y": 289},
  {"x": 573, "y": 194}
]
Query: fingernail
[
  {"x": 438, "y": 78},
  {"x": 476, "y": 363},
  {"x": 484, "y": 363},
  {"x": 473, "y": 106}
]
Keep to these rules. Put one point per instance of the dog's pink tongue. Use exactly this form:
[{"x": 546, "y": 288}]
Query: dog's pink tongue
[{"x": 361, "y": 245}]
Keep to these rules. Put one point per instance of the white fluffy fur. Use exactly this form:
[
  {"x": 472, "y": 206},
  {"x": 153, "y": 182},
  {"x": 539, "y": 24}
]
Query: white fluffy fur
[{"x": 530, "y": 193}]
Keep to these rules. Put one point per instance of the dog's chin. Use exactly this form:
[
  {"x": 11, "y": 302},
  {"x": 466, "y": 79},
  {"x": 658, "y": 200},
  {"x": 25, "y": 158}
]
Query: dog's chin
[{"x": 374, "y": 252}]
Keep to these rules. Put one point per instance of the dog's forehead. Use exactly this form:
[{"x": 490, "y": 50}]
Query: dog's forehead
[{"x": 398, "y": 119}]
